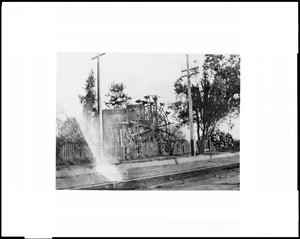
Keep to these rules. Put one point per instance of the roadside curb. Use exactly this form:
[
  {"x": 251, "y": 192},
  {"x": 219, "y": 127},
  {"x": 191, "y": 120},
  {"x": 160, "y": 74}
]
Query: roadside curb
[{"x": 176, "y": 160}]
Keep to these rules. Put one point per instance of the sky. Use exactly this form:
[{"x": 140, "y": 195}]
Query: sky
[{"x": 142, "y": 74}]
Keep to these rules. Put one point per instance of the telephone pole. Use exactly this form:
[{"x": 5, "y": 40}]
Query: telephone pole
[
  {"x": 190, "y": 107},
  {"x": 194, "y": 72},
  {"x": 98, "y": 94}
]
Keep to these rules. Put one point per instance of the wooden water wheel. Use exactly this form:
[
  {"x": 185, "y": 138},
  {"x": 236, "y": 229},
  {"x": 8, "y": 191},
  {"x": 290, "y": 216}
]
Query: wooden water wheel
[{"x": 148, "y": 123}]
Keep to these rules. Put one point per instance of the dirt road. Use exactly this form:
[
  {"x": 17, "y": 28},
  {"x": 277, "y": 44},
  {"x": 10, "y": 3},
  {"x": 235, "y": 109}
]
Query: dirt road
[
  {"x": 226, "y": 180},
  {"x": 77, "y": 177}
]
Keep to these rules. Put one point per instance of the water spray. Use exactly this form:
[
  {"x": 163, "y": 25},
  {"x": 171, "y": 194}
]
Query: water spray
[{"x": 92, "y": 137}]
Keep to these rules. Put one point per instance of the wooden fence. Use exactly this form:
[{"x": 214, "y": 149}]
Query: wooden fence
[
  {"x": 75, "y": 151},
  {"x": 182, "y": 148},
  {"x": 145, "y": 150}
]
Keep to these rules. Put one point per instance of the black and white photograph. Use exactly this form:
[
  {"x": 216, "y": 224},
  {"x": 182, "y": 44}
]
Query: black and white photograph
[{"x": 148, "y": 121}]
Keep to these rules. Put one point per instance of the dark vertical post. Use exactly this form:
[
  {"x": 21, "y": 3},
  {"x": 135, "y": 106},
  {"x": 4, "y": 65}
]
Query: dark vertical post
[
  {"x": 190, "y": 107},
  {"x": 99, "y": 101},
  {"x": 98, "y": 87}
]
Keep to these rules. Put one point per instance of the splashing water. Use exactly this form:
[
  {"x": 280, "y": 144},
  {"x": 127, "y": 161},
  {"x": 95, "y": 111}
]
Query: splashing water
[{"x": 103, "y": 166}]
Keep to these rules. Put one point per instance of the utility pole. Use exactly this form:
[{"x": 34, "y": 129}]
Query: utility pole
[
  {"x": 190, "y": 107},
  {"x": 98, "y": 95},
  {"x": 194, "y": 72}
]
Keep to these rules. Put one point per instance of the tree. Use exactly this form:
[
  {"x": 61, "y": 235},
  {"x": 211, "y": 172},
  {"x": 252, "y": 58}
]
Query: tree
[
  {"x": 118, "y": 98},
  {"x": 89, "y": 100},
  {"x": 69, "y": 131},
  {"x": 215, "y": 96}
]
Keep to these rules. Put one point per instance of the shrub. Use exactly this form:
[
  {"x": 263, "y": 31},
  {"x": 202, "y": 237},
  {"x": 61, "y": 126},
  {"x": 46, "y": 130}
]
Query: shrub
[{"x": 224, "y": 141}]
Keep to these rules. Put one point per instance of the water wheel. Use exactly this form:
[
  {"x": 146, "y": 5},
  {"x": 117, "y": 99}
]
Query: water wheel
[{"x": 149, "y": 123}]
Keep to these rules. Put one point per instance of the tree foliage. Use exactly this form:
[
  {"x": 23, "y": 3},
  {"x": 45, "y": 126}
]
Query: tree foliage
[
  {"x": 89, "y": 100},
  {"x": 215, "y": 95},
  {"x": 117, "y": 97},
  {"x": 69, "y": 131}
]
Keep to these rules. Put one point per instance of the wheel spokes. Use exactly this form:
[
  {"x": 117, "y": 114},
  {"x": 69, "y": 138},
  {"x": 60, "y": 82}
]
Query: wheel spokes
[
  {"x": 150, "y": 124},
  {"x": 145, "y": 137},
  {"x": 163, "y": 125}
]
